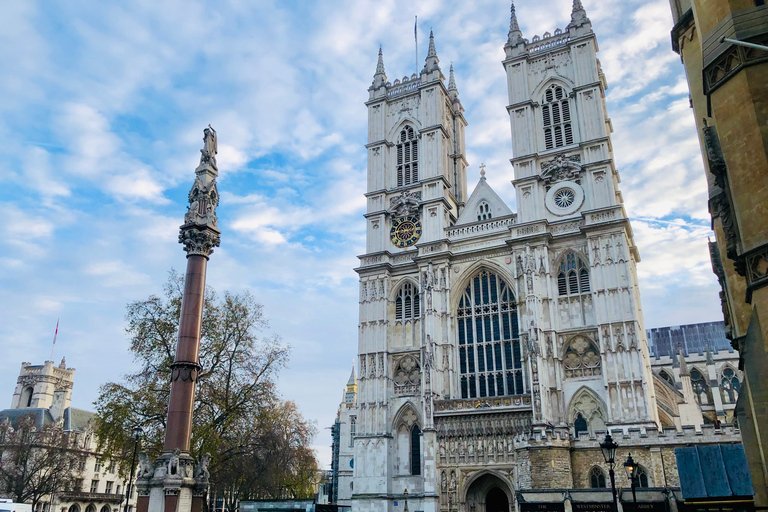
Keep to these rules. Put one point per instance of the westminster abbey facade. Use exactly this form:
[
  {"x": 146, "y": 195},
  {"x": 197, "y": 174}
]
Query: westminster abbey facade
[{"x": 496, "y": 348}]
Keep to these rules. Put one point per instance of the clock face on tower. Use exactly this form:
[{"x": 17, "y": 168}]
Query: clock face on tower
[{"x": 405, "y": 231}]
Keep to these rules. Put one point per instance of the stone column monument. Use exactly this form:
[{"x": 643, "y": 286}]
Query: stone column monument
[{"x": 174, "y": 483}]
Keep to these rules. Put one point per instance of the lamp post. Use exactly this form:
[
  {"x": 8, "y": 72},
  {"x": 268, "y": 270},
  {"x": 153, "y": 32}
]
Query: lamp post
[
  {"x": 405, "y": 500},
  {"x": 608, "y": 447},
  {"x": 631, "y": 466},
  {"x": 138, "y": 433}
]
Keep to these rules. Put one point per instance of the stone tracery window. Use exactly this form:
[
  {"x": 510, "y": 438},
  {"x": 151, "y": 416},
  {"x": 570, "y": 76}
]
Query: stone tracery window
[
  {"x": 407, "y": 305},
  {"x": 556, "y": 115},
  {"x": 407, "y": 376},
  {"x": 582, "y": 358},
  {"x": 407, "y": 157},
  {"x": 730, "y": 386},
  {"x": 573, "y": 277},
  {"x": 667, "y": 377},
  {"x": 490, "y": 356},
  {"x": 483, "y": 211},
  {"x": 700, "y": 388},
  {"x": 642, "y": 478},
  {"x": 596, "y": 478}
]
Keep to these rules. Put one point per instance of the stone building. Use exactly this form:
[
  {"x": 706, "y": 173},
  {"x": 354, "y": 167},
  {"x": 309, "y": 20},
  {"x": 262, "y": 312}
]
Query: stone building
[
  {"x": 45, "y": 391},
  {"x": 728, "y": 81},
  {"x": 696, "y": 374},
  {"x": 497, "y": 347},
  {"x": 342, "y": 450}
]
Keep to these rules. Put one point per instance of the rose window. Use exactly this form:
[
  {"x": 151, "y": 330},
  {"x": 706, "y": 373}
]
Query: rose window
[{"x": 564, "y": 198}]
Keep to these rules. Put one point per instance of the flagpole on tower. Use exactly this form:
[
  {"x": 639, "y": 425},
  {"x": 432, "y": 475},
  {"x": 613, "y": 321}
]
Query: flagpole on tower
[
  {"x": 54, "y": 339},
  {"x": 416, "y": 38}
]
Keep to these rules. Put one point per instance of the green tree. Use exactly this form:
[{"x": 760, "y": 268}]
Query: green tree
[
  {"x": 234, "y": 396},
  {"x": 37, "y": 462}
]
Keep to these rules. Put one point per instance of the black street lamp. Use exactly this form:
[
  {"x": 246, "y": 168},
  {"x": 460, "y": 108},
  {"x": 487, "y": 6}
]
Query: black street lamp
[
  {"x": 608, "y": 447},
  {"x": 631, "y": 467},
  {"x": 405, "y": 499},
  {"x": 138, "y": 433}
]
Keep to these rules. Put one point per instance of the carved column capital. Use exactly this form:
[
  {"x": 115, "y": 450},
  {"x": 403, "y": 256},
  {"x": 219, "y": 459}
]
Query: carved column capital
[{"x": 199, "y": 241}]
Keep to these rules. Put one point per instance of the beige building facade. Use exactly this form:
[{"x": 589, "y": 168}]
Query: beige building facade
[
  {"x": 728, "y": 81},
  {"x": 45, "y": 391}
]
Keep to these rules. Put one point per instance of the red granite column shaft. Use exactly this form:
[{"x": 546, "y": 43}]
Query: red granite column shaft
[{"x": 185, "y": 367}]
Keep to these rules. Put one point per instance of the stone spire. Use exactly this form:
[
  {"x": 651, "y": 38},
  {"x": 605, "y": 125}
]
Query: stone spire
[
  {"x": 380, "y": 77},
  {"x": 579, "y": 17},
  {"x": 515, "y": 42},
  {"x": 432, "y": 62},
  {"x": 453, "y": 91}
]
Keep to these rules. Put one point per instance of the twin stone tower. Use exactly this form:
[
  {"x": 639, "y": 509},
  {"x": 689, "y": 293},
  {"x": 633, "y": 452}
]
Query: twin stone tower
[{"x": 477, "y": 324}]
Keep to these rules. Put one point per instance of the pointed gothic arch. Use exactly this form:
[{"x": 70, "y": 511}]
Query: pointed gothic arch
[
  {"x": 573, "y": 276},
  {"x": 407, "y": 432},
  {"x": 581, "y": 357},
  {"x": 700, "y": 384},
  {"x": 596, "y": 478},
  {"x": 730, "y": 385},
  {"x": 488, "y": 339},
  {"x": 477, "y": 486},
  {"x": 587, "y": 405},
  {"x": 407, "y": 299}
]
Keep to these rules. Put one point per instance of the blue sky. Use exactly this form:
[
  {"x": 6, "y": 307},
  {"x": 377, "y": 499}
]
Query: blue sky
[{"x": 102, "y": 107}]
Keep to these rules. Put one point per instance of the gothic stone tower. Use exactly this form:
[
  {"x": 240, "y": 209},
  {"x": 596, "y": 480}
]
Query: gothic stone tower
[{"x": 478, "y": 326}]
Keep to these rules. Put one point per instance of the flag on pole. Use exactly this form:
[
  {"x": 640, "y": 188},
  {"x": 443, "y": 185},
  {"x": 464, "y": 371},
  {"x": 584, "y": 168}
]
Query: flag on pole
[
  {"x": 54, "y": 338},
  {"x": 416, "y": 39}
]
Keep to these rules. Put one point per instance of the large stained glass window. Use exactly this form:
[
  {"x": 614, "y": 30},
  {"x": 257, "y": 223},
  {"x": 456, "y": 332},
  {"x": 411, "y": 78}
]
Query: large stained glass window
[{"x": 490, "y": 355}]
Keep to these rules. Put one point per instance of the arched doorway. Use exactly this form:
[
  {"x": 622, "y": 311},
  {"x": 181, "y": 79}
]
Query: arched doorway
[
  {"x": 488, "y": 493},
  {"x": 496, "y": 501}
]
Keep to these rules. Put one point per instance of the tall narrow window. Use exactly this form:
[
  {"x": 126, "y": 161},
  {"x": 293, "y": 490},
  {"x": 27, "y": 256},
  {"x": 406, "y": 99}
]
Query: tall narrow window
[
  {"x": 407, "y": 158},
  {"x": 407, "y": 305},
  {"x": 352, "y": 430},
  {"x": 573, "y": 278},
  {"x": 416, "y": 450},
  {"x": 490, "y": 355},
  {"x": 556, "y": 116}
]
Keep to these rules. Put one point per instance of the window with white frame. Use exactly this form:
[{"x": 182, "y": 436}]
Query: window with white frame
[
  {"x": 407, "y": 157},
  {"x": 556, "y": 115},
  {"x": 573, "y": 277},
  {"x": 483, "y": 211},
  {"x": 407, "y": 305},
  {"x": 352, "y": 430}
]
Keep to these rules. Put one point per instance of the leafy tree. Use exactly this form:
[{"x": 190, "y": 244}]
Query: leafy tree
[
  {"x": 236, "y": 402},
  {"x": 37, "y": 462}
]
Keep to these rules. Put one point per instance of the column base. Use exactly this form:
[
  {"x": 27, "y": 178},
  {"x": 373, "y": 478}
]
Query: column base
[{"x": 173, "y": 484}]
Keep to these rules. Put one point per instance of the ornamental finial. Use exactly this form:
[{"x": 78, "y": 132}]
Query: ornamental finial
[
  {"x": 482, "y": 171},
  {"x": 200, "y": 231}
]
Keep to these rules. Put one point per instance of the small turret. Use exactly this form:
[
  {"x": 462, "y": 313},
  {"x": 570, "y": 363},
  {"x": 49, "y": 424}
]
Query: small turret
[
  {"x": 579, "y": 24},
  {"x": 515, "y": 42},
  {"x": 380, "y": 77}
]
